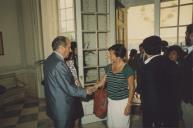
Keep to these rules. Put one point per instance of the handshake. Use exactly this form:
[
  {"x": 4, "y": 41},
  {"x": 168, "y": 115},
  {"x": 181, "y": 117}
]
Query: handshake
[{"x": 91, "y": 89}]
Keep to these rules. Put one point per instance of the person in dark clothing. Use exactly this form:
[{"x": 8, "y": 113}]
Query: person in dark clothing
[
  {"x": 189, "y": 31},
  {"x": 176, "y": 54},
  {"x": 139, "y": 61},
  {"x": 188, "y": 68},
  {"x": 132, "y": 59},
  {"x": 164, "y": 47},
  {"x": 158, "y": 95},
  {"x": 141, "y": 53},
  {"x": 187, "y": 88}
]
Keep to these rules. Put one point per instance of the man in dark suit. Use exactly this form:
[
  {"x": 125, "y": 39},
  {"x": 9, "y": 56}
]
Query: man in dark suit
[
  {"x": 139, "y": 61},
  {"x": 60, "y": 88},
  {"x": 187, "y": 86},
  {"x": 158, "y": 91}
]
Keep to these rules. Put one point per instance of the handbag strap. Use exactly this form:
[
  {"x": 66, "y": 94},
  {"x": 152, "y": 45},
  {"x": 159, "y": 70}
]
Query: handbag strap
[
  {"x": 100, "y": 90},
  {"x": 103, "y": 87}
]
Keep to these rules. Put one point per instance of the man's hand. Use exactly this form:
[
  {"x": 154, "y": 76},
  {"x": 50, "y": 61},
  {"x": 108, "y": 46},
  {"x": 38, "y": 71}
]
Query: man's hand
[{"x": 90, "y": 90}]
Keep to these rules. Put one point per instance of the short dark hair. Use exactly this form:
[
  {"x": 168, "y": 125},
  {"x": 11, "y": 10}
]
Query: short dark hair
[
  {"x": 119, "y": 50},
  {"x": 59, "y": 41},
  {"x": 189, "y": 28},
  {"x": 152, "y": 45},
  {"x": 133, "y": 52}
]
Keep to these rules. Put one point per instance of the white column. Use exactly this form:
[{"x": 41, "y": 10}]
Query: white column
[{"x": 157, "y": 17}]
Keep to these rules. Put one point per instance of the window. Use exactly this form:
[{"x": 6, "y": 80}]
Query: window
[
  {"x": 95, "y": 40},
  {"x": 66, "y": 18},
  {"x": 91, "y": 30},
  {"x": 175, "y": 15}
]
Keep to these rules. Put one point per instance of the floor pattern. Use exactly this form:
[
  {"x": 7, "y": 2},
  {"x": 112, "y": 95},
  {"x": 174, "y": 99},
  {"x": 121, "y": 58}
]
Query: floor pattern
[
  {"x": 31, "y": 113},
  {"x": 25, "y": 114}
]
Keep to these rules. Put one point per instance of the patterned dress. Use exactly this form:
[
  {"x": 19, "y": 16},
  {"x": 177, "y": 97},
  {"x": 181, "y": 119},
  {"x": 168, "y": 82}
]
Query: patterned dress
[{"x": 77, "y": 107}]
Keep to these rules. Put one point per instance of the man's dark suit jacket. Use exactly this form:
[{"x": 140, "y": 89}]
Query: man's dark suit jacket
[
  {"x": 139, "y": 62},
  {"x": 159, "y": 90},
  {"x": 187, "y": 88},
  {"x": 60, "y": 88}
]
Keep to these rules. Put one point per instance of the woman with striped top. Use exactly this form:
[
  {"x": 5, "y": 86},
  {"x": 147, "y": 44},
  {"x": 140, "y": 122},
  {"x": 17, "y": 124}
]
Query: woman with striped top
[{"x": 119, "y": 77}]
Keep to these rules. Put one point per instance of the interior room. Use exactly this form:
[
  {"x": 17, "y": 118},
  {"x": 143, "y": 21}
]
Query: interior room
[{"x": 28, "y": 27}]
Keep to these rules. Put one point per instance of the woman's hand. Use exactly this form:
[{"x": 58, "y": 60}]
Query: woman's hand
[
  {"x": 127, "y": 110},
  {"x": 77, "y": 82}
]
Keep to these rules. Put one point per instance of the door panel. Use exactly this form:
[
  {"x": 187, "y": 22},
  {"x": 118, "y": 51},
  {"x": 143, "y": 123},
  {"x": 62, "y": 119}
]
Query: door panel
[
  {"x": 95, "y": 23},
  {"x": 121, "y": 25}
]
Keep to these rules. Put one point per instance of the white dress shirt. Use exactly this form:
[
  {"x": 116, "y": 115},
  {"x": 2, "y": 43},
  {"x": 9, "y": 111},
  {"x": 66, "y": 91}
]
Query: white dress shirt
[
  {"x": 150, "y": 58},
  {"x": 60, "y": 55}
]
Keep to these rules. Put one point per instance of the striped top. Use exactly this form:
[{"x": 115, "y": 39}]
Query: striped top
[{"x": 117, "y": 83}]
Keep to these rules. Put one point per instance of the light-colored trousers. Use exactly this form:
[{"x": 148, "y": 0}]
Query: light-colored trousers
[
  {"x": 187, "y": 110},
  {"x": 115, "y": 115}
]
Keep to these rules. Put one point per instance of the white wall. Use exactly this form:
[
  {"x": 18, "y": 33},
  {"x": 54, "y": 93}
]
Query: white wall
[
  {"x": 49, "y": 24},
  {"x": 20, "y": 22},
  {"x": 21, "y": 27},
  {"x": 9, "y": 26}
]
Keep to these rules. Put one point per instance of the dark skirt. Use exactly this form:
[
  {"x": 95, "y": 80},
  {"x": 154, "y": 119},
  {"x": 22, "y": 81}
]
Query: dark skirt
[{"x": 77, "y": 112}]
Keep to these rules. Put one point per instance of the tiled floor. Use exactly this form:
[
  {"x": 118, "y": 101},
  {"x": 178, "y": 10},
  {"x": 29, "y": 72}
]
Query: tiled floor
[
  {"x": 25, "y": 114},
  {"x": 31, "y": 114},
  {"x": 95, "y": 125}
]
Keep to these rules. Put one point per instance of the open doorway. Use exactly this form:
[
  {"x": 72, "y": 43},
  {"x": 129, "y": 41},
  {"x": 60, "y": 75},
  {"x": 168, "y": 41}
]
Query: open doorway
[
  {"x": 140, "y": 24},
  {"x": 133, "y": 24}
]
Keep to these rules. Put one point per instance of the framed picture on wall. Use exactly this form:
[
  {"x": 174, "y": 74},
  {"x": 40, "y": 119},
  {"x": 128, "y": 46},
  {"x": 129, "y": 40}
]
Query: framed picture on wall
[{"x": 1, "y": 44}]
